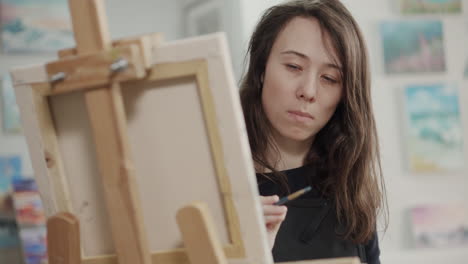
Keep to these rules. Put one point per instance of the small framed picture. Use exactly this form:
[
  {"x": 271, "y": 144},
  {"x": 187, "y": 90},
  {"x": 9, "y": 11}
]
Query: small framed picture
[
  {"x": 10, "y": 113},
  {"x": 411, "y": 7},
  {"x": 439, "y": 226},
  {"x": 203, "y": 18},
  {"x": 413, "y": 46},
  {"x": 433, "y": 137},
  {"x": 33, "y": 26}
]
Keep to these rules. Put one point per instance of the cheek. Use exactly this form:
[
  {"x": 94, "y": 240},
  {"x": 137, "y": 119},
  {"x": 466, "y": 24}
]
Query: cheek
[
  {"x": 329, "y": 102},
  {"x": 276, "y": 88}
]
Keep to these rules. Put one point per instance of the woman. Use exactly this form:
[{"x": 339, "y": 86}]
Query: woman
[{"x": 307, "y": 106}]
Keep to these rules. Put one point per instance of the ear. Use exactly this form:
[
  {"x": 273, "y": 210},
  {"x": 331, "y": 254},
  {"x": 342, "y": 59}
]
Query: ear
[{"x": 262, "y": 78}]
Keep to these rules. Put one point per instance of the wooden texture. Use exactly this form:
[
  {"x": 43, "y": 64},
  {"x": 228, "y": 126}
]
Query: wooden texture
[
  {"x": 200, "y": 238},
  {"x": 105, "y": 109},
  {"x": 146, "y": 43},
  {"x": 44, "y": 149},
  {"x": 63, "y": 239},
  {"x": 93, "y": 70},
  {"x": 91, "y": 34}
]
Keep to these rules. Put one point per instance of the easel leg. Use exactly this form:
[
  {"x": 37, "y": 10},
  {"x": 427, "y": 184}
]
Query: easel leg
[
  {"x": 200, "y": 238},
  {"x": 63, "y": 239}
]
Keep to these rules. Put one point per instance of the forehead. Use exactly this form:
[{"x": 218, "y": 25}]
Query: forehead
[{"x": 305, "y": 35}]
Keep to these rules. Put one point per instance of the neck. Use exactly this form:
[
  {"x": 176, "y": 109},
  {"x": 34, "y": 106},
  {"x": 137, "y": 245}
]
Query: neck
[{"x": 291, "y": 153}]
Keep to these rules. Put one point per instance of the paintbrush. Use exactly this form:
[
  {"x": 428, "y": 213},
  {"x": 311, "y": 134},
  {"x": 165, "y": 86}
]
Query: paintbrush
[{"x": 293, "y": 196}]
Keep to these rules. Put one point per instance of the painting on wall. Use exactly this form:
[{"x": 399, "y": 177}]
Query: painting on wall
[
  {"x": 35, "y": 26},
  {"x": 413, "y": 46},
  {"x": 10, "y": 169},
  {"x": 431, "y": 6},
  {"x": 466, "y": 69},
  {"x": 8, "y": 234},
  {"x": 34, "y": 242},
  {"x": 203, "y": 18},
  {"x": 434, "y": 131},
  {"x": 438, "y": 226},
  {"x": 10, "y": 112}
]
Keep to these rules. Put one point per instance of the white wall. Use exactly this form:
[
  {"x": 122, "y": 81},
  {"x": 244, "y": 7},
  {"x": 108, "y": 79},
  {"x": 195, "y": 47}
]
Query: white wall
[{"x": 404, "y": 189}]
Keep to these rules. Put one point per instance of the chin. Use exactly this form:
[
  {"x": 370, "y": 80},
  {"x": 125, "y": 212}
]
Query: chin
[{"x": 297, "y": 135}]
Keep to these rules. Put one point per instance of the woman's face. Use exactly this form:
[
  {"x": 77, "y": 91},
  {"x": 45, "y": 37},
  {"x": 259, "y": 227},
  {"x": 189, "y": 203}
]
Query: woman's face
[{"x": 302, "y": 84}]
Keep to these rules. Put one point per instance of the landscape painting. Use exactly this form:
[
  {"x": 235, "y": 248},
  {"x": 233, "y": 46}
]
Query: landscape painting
[
  {"x": 431, "y": 6},
  {"x": 35, "y": 26},
  {"x": 10, "y": 112},
  {"x": 440, "y": 226},
  {"x": 413, "y": 46},
  {"x": 434, "y": 138}
]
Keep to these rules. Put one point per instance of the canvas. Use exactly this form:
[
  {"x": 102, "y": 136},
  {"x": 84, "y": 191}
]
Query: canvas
[
  {"x": 10, "y": 114},
  {"x": 35, "y": 26},
  {"x": 413, "y": 46},
  {"x": 440, "y": 226},
  {"x": 433, "y": 128},
  {"x": 431, "y": 6},
  {"x": 187, "y": 139}
]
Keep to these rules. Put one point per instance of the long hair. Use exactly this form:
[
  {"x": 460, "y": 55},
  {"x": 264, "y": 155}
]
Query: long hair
[{"x": 345, "y": 152}]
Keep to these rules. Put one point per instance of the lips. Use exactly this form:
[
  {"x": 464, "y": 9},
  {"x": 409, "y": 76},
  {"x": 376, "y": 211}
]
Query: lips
[{"x": 301, "y": 114}]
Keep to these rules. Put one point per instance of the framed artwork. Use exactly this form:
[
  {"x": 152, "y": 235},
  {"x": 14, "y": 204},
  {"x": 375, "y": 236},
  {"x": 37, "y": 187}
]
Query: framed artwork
[
  {"x": 413, "y": 46},
  {"x": 10, "y": 170},
  {"x": 34, "y": 243},
  {"x": 203, "y": 18},
  {"x": 439, "y": 226},
  {"x": 8, "y": 234},
  {"x": 434, "y": 138},
  {"x": 11, "y": 122},
  {"x": 466, "y": 69},
  {"x": 35, "y": 26},
  {"x": 431, "y": 6}
]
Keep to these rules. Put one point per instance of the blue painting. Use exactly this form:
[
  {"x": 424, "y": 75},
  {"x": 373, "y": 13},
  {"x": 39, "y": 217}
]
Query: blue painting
[
  {"x": 431, "y": 6},
  {"x": 434, "y": 134},
  {"x": 10, "y": 112},
  {"x": 35, "y": 26},
  {"x": 10, "y": 169},
  {"x": 413, "y": 46}
]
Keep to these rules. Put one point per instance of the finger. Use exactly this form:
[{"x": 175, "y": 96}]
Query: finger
[
  {"x": 273, "y": 226},
  {"x": 274, "y": 209},
  {"x": 274, "y": 219},
  {"x": 269, "y": 199}
]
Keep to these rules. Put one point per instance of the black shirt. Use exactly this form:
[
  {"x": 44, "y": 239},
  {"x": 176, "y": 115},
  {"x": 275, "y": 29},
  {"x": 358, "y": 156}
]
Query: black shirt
[{"x": 311, "y": 229}]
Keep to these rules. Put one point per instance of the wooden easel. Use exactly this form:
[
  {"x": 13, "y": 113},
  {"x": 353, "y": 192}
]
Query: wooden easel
[
  {"x": 200, "y": 239},
  {"x": 105, "y": 107}
]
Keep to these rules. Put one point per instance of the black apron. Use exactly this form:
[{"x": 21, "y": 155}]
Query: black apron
[
  {"x": 310, "y": 232},
  {"x": 311, "y": 229}
]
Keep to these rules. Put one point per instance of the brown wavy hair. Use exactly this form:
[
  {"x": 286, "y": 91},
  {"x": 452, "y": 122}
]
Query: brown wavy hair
[{"x": 345, "y": 152}]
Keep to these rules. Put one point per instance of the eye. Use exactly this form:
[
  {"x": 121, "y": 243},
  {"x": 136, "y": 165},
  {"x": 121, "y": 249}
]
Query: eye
[
  {"x": 330, "y": 79},
  {"x": 293, "y": 67}
]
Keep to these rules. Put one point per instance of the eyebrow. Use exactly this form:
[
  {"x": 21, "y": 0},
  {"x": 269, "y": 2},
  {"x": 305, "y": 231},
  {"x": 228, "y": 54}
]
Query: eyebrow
[{"x": 302, "y": 55}]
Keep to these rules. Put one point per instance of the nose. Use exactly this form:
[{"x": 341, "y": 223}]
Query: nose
[{"x": 307, "y": 89}]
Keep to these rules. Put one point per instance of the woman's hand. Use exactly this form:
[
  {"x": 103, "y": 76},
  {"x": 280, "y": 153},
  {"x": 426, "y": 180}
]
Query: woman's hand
[{"x": 274, "y": 216}]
